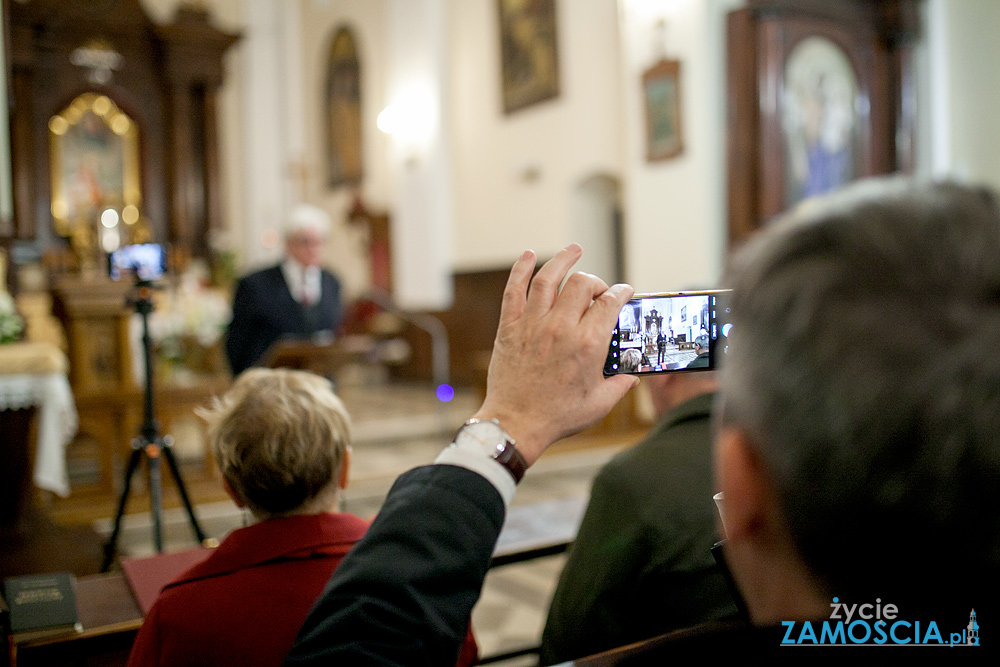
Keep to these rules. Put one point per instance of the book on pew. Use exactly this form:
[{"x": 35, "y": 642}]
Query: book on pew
[
  {"x": 147, "y": 576},
  {"x": 41, "y": 605}
]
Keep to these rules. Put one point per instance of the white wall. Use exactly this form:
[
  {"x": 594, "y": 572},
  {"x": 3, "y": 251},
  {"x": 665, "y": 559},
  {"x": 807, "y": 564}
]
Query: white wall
[
  {"x": 420, "y": 155},
  {"x": 499, "y": 211},
  {"x": 675, "y": 210},
  {"x": 963, "y": 57}
]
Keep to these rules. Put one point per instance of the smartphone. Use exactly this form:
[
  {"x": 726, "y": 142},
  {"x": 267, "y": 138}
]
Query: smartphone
[
  {"x": 145, "y": 261},
  {"x": 669, "y": 332}
]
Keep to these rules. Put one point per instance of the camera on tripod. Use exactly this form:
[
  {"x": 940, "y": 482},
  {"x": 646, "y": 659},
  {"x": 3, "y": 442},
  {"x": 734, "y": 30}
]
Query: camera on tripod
[{"x": 146, "y": 263}]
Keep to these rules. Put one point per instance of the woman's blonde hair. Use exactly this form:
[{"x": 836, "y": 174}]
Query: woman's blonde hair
[
  {"x": 631, "y": 358},
  {"x": 279, "y": 438}
]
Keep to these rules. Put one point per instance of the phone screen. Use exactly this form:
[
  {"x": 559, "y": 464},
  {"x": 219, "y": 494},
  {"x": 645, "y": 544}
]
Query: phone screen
[
  {"x": 669, "y": 332},
  {"x": 146, "y": 261}
]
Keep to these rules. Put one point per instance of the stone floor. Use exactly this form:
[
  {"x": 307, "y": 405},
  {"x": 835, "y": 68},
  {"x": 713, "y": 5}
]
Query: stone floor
[{"x": 395, "y": 429}]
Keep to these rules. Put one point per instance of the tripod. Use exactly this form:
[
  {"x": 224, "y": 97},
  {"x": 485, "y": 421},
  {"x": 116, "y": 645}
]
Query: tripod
[{"x": 150, "y": 444}]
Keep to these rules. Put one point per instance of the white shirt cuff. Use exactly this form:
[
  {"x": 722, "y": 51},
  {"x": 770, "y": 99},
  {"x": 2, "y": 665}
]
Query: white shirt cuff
[{"x": 478, "y": 462}]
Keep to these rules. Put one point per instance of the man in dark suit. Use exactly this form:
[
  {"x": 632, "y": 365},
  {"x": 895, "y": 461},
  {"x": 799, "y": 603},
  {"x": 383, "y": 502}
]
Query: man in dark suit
[
  {"x": 293, "y": 300},
  {"x": 642, "y": 561},
  {"x": 701, "y": 349}
]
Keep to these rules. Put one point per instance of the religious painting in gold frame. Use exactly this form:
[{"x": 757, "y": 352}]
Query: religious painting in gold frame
[
  {"x": 662, "y": 101},
  {"x": 94, "y": 149},
  {"x": 529, "y": 62},
  {"x": 820, "y": 119},
  {"x": 819, "y": 94},
  {"x": 343, "y": 112}
]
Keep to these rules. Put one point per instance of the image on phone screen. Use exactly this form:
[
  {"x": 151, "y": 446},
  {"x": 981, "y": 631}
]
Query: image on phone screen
[
  {"x": 145, "y": 261},
  {"x": 669, "y": 332}
]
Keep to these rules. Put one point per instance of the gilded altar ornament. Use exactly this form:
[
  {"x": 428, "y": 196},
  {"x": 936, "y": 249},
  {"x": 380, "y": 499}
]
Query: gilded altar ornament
[
  {"x": 100, "y": 60},
  {"x": 94, "y": 149}
]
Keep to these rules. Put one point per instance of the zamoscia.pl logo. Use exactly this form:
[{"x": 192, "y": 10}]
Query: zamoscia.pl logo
[{"x": 876, "y": 624}]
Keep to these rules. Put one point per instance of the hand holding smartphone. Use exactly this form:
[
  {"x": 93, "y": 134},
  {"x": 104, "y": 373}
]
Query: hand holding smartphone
[{"x": 669, "y": 332}]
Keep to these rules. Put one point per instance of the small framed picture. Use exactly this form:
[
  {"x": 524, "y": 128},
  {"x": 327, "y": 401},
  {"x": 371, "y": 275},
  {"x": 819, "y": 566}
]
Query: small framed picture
[
  {"x": 662, "y": 98},
  {"x": 528, "y": 52}
]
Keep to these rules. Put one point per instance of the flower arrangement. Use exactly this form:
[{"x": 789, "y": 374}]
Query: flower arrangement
[
  {"x": 11, "y": 324},
  {"x": 187, "y": 326}
]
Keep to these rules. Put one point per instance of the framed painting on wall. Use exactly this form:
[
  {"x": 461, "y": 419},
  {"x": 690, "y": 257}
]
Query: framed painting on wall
[
  {"x": 343, "y": 112},
  {"x": 819, "y": 94},
  {"x": 662, "y": 101},
  {"x": 822, "y": 115},
  {"x": 529, "y": 62}
]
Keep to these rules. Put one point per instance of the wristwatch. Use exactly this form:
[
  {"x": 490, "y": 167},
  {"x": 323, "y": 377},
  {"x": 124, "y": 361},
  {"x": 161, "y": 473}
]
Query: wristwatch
[{"x": 490, "y": 438}]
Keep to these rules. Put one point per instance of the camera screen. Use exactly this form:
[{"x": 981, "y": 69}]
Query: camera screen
[
  {"x": 669, "y": 332},
  {"x": 146, "y": 261}
]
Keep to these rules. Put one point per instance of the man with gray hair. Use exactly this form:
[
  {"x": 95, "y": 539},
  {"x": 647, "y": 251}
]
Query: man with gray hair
[
  {"x": 295, "y": 299},
  {"x": 701, "y": 352},
  {"x": 859, "y": 480},
  {"x": 863, "y": 473}
]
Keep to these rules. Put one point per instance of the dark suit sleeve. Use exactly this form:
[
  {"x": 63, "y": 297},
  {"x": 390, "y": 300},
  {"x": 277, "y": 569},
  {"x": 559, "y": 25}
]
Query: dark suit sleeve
[
  {"x": 599, "y": 577},
  {"x": 405, "y": 592},
  {"x": 332, "y": 306},
  {"x": 238, "y": 335}
]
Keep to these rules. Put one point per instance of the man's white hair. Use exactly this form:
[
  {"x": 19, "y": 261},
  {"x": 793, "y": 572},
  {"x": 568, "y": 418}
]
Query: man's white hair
[{"x": 305, "y": 217}]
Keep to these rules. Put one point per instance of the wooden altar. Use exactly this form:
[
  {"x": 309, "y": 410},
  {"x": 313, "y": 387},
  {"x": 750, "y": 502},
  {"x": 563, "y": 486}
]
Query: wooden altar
[
  {"x": 104, "y": 353},
  {"x": 150, "y": 89},
  {"x": 164, "y": 78}
]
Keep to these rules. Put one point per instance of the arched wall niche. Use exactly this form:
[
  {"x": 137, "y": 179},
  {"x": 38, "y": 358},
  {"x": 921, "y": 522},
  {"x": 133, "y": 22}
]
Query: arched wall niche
[
  {"x": 343, "y": 151},
  {"x": 596, "y": 223}
]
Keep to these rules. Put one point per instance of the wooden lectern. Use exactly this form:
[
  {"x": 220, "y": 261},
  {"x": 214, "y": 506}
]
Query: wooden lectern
[{"x": 323, "y": 359}]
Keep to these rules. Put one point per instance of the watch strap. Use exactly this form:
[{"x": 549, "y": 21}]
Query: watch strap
[
  {"x": 505, "y": 452},
  {"x": 512, "y": 460}
]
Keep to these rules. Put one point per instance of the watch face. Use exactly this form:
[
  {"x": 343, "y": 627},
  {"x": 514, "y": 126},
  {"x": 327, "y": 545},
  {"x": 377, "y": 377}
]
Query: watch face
[{"x": 486, "y": 435}]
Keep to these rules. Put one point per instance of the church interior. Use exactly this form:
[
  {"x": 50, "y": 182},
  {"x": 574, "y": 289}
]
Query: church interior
[{"x": 442, "y": 138}]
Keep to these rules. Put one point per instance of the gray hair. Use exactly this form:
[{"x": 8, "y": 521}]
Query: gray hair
[
  {"x": 885, "y": 457},
  {"x": 631, "y": 358},
  {"x": 306, "y": 217},
  {"x": 279, "y": 438}
]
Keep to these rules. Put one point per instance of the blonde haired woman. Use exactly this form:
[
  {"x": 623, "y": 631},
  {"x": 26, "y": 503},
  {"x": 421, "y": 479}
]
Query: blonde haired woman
[{"x": 281, "y": 440}]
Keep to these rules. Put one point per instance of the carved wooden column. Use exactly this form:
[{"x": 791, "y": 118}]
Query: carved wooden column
[
  {"x": 21, "y": 133},
  {"x": 193, "y": 52}
]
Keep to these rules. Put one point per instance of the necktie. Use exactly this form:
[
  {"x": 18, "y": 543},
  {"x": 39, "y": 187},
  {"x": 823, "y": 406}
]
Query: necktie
[{"x": 305, "y": 293}]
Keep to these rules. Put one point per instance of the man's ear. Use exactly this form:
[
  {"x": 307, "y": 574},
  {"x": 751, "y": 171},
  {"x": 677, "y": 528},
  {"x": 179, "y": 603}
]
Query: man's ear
[
  {"x": 745, "y": 485},
  {"x": 345, "y": 468},
  {"x": 232, "y": 493}
]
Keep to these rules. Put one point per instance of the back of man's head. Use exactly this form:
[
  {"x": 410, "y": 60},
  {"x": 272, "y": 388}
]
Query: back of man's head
[{"x": 864, "y": 367}]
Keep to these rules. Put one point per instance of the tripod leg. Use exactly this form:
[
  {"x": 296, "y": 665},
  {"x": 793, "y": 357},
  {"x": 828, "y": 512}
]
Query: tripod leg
[
  {"x": 111, "y": 546},
  {"x": 172, "y": 462},
  {"x": 155, "y": 495}
]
